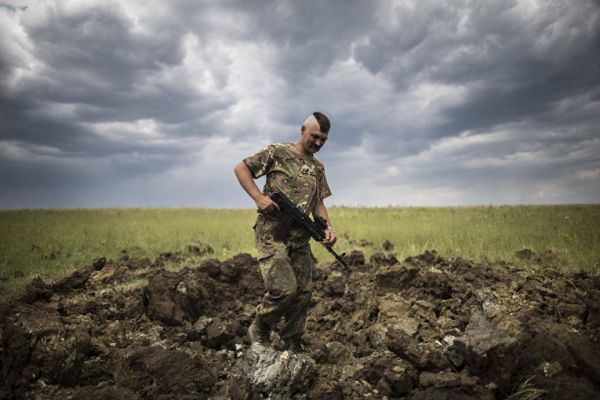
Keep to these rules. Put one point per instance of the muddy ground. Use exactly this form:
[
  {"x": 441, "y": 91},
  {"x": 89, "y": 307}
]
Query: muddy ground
[{"x": 423, "y": 328}]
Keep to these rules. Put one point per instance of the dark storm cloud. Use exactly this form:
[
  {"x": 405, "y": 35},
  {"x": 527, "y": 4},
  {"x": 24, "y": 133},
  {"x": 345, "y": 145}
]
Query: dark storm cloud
[
  {"x": 421, "y": 95},
  {"x": 94, "y": 67},
  {"x": 313, "y": 35},
  {"x": 95, "y": 58},
  {"x": 511, "y": 63}
]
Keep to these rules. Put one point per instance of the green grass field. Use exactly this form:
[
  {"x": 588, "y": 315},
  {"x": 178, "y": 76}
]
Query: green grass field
[{"x": 52, "y": 243}]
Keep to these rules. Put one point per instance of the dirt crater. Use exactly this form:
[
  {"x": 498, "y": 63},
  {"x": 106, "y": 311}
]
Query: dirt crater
[{"x": 426, "y": 327}]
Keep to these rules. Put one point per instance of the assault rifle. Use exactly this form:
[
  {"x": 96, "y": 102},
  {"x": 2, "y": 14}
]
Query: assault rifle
[{"x": 315, "y": 228}]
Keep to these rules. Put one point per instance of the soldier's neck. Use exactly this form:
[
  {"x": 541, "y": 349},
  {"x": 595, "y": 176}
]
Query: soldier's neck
[{"x": 297, "y": 146}]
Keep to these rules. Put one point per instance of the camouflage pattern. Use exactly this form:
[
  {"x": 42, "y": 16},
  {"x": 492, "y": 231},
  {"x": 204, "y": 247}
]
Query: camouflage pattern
[
  {"x": 287, "y": 275},
  {"x": 301, "y": 178},
  {"x": 286, "y": 263}
]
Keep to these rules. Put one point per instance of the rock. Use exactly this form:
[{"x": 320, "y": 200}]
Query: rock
[
  {"x": 435, "y": 284},
  {"x": 36, "y": 345},
  {"x": 220, "y": 333},
  {"x": 111, "y": 273},
  {"x": 76, "y": 280},
  {"x": 335, "y": 285},
  {"x": 424, "y": 356},
  {"x": 524, "y": 254},
  {"x": 355, "y": 258},
  {"x": 397, "y": 276},
  {"x": 239, "y": 388},
  {"x": 395, "y": 312},
  {"x": 377, "y": 335},
  {"x": 387, "y": 245},
  {"x": 199, "y": 249},
  {"x": 272, "y": 371},
  {"x": 168, "y": 256},
  {"x": 153, "y": 372},
  {"x": 175, "y": 297},
  {"x": 211, "y": 266},
  {"x": 337, "y": 353},
  {"x": 447, "y": 379},
  {"x": 549, "y": 369},
  {"x": 358, "y": 320},
  {"x": 554, "y": 356},
  {"x": 99, "y": 263},
  {"x": 202, "y": 324},
  {"x": 485, "y": 333},
  {"x": 379, "y": 259},
  {"x": 424, "y": 311},
  {"x": 400, "y": 376},
  {"x": 240, "y": 265},
  {"x": 432, "y": 358},
  {"x": 391, "y": 376},
  {"x": 427, "y": 258},
  {"x": 491, "y": 345},
  {"x": 365, "y": 242},
  {"x": 36, "y": 290}
]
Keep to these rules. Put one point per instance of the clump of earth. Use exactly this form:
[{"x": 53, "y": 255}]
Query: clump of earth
[{"x": 427, "y": 327}]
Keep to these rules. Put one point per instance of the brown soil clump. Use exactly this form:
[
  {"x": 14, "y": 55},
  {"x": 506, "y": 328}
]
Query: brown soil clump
[{"x": 423, "y": 328}]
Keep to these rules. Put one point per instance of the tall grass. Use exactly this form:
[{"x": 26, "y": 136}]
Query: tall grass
[
  {"x": 51, "y": 243},
  {"x": 573, "y": 231}
]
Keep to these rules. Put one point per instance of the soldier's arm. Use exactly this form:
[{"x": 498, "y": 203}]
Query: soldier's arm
[
  {"x": 321, "y": 211},
  {"x": 244, "y": 176}
]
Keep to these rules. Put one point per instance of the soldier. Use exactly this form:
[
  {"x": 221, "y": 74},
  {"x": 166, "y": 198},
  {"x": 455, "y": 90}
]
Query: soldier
[{"x": 284, "y": 254}]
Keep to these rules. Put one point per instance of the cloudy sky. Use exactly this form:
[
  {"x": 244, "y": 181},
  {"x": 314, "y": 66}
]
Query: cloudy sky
[{"x": 152, "y": 103}]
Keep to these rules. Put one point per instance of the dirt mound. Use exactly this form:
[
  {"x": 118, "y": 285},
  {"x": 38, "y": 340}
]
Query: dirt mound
[{"x": 423, "y": 328}]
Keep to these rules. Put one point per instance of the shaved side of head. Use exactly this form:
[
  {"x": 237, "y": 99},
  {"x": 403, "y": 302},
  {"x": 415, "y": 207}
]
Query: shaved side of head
[
  {"x": 318, "y": 121},
  {"x": 311, "y": 122}
]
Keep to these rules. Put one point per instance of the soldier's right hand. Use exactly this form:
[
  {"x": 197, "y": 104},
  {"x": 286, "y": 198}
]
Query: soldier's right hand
[{"x": 265, "y": 204}]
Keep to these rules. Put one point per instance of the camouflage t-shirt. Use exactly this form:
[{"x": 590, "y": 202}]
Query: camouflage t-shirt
[{"x": 300, "y": 177}]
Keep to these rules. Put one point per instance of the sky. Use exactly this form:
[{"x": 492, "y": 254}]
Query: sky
[{"x": 432, "y": 103}]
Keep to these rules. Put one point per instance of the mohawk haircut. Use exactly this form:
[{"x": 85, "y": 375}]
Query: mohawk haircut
[{"x": 323, "y": 121}]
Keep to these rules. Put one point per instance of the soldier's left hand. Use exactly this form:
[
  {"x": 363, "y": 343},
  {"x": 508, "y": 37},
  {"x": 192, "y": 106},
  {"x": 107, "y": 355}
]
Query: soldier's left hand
[{"x": 330, "y": 237}]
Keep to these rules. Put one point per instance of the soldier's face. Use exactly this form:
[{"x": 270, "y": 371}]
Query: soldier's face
[{"x": 312, "y": 139}]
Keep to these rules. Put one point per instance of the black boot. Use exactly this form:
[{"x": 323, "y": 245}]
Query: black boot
[
  {"x": 295, "y": 345},
  {"x": 259, "y": 332}
]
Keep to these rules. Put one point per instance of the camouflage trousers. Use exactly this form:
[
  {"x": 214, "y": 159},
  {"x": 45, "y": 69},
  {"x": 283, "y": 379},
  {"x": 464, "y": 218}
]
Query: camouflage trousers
[{"x": 286, "y": 269}]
